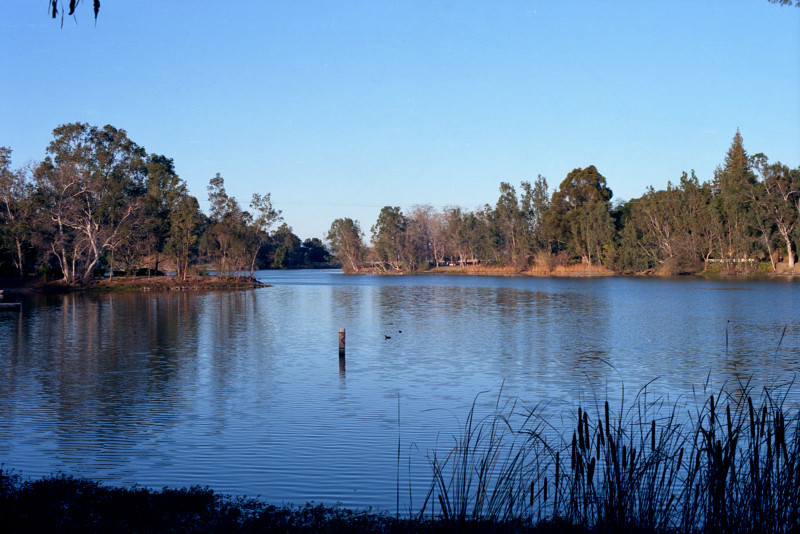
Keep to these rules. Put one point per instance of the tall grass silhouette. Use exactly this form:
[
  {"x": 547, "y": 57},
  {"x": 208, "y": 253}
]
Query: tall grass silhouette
[{"x": 730, "y": 463}]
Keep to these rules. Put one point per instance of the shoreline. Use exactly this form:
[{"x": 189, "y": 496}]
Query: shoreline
[
  {"x": 638, "y": 448},
  {"x": 134, "y": 284},
  {"x": 595, "y": 271},
  {"x": 226, "y": 282}
]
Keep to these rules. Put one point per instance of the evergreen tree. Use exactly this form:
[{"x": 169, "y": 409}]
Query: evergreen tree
[{"x": 732, "y": 185}]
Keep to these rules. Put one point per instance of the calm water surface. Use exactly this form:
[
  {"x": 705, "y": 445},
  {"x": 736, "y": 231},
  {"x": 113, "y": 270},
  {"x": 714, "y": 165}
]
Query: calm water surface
[{"x": 245, "y": 392}]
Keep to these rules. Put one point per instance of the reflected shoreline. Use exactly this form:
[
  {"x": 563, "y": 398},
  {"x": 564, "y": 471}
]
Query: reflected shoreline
[{"x": 239, "y": 389}]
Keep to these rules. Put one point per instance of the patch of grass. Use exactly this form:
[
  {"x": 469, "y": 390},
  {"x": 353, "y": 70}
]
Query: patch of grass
[
  {"x": 764, "y": 267},
  {"x": 713, "y": 269}
]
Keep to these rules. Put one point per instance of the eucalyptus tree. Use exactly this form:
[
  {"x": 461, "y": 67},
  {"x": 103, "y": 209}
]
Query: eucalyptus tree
[
  {"x": 90, "y": 183},
  {"x": 16, "y": 210},
  {"x": 224, "y": 214},
  {"x": 779, "y": 200},
  {"x": 701, "y": 217},
  {"x": 228, "y": 228},
  {"x": 678, "y": 229},
  {"x": 663, "y": 216},
  {"x": 288, "y": 249},
  {"x": 388, "y": 238},
  {"x": 512, "y": 227},
  {"x": 264, "y": 216},
  {"x": 164, "y": 190},
  {"x": 186, "y": 223},
  {"x": 472, "y": 236},
  {"x": 763, "y": 226},
  {"x": 650, "y": 227},
  {"x": 427, "y": 238},
  {"x": 517, "y": 223},
  {"x": 636, "y": 252},
  {"x": 534, "y": 203},
  {"x": 481, "y": 231},
  {"x": 455, "y": 244},
  {"x": 466, "y": 234},
  {"x": 346, "y": 243},
  {"x": 579, "y": 214}
]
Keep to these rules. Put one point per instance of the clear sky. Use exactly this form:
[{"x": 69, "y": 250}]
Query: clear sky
[{"x": 338, "y": 108}]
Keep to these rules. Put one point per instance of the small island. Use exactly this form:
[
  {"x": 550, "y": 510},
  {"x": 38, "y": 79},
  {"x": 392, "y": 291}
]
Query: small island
[{"x": 171, "y": 283}]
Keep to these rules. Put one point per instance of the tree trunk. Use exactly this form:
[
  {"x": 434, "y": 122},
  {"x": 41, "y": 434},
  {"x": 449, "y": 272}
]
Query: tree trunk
[
  {"x": 19, "y": 257},
  {"x": 789, "y": 250},
  {"x": 769, "y": 250},
  {"x": 253, "y": 263}
]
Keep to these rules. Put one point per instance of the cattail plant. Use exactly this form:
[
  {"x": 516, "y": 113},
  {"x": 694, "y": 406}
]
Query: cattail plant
[{"x": 731, "y": 464}]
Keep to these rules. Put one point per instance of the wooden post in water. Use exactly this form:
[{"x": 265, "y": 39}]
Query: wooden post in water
[{"x": 341, "y": 342}]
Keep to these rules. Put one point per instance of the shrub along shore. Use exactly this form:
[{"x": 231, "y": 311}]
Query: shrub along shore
[{"x": 729, "y": 464}]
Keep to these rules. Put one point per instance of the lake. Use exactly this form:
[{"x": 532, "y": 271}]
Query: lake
[{"x": 245, "y": 392}]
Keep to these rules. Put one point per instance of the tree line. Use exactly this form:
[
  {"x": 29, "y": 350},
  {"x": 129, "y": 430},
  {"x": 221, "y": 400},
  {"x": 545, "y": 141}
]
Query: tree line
[
  {"x": 745, "y": 215},
  {"x": 99, "y": 203}
]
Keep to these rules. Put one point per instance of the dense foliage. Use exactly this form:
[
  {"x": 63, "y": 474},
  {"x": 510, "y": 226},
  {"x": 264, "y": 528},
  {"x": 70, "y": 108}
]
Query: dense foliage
[
  {"x": 746, "y": 215},
  {"x": 99, "y": 203}
]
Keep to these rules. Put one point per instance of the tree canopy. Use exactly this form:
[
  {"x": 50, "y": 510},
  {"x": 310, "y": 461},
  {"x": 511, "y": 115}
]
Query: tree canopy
[
  {"x": 747, "y": 213},
  {"x": 98, "y": 203}
]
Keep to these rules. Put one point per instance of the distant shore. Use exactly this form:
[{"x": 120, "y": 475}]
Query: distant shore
[
  {"x": 227, "y": 282},
  {"x": 598, "y": 271}
]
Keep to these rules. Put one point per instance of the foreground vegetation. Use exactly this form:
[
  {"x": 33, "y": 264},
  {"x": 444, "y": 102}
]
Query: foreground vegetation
[{"x": 730, "y": 464}]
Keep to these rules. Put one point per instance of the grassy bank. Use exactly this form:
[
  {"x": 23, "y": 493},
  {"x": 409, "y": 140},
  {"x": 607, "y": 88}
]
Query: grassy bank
[
  {"x": 135, "y": 283},
  {"x": 714, "y": 270},
  {"x": 564, "y": 271},
  {"x": 730, "y": 463},
  {"x": 172, "y": 283}
]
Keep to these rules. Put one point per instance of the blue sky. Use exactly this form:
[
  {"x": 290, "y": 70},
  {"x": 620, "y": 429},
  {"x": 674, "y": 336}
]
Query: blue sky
[{"x": 338, "y": 108}]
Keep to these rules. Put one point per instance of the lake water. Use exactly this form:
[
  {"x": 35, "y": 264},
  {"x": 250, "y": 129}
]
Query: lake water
[{"x": 245, "y": 392}]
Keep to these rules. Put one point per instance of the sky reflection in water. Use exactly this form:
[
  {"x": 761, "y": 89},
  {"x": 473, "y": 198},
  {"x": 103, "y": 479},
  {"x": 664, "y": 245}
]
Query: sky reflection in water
[{"x": 244, "y": 391}]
